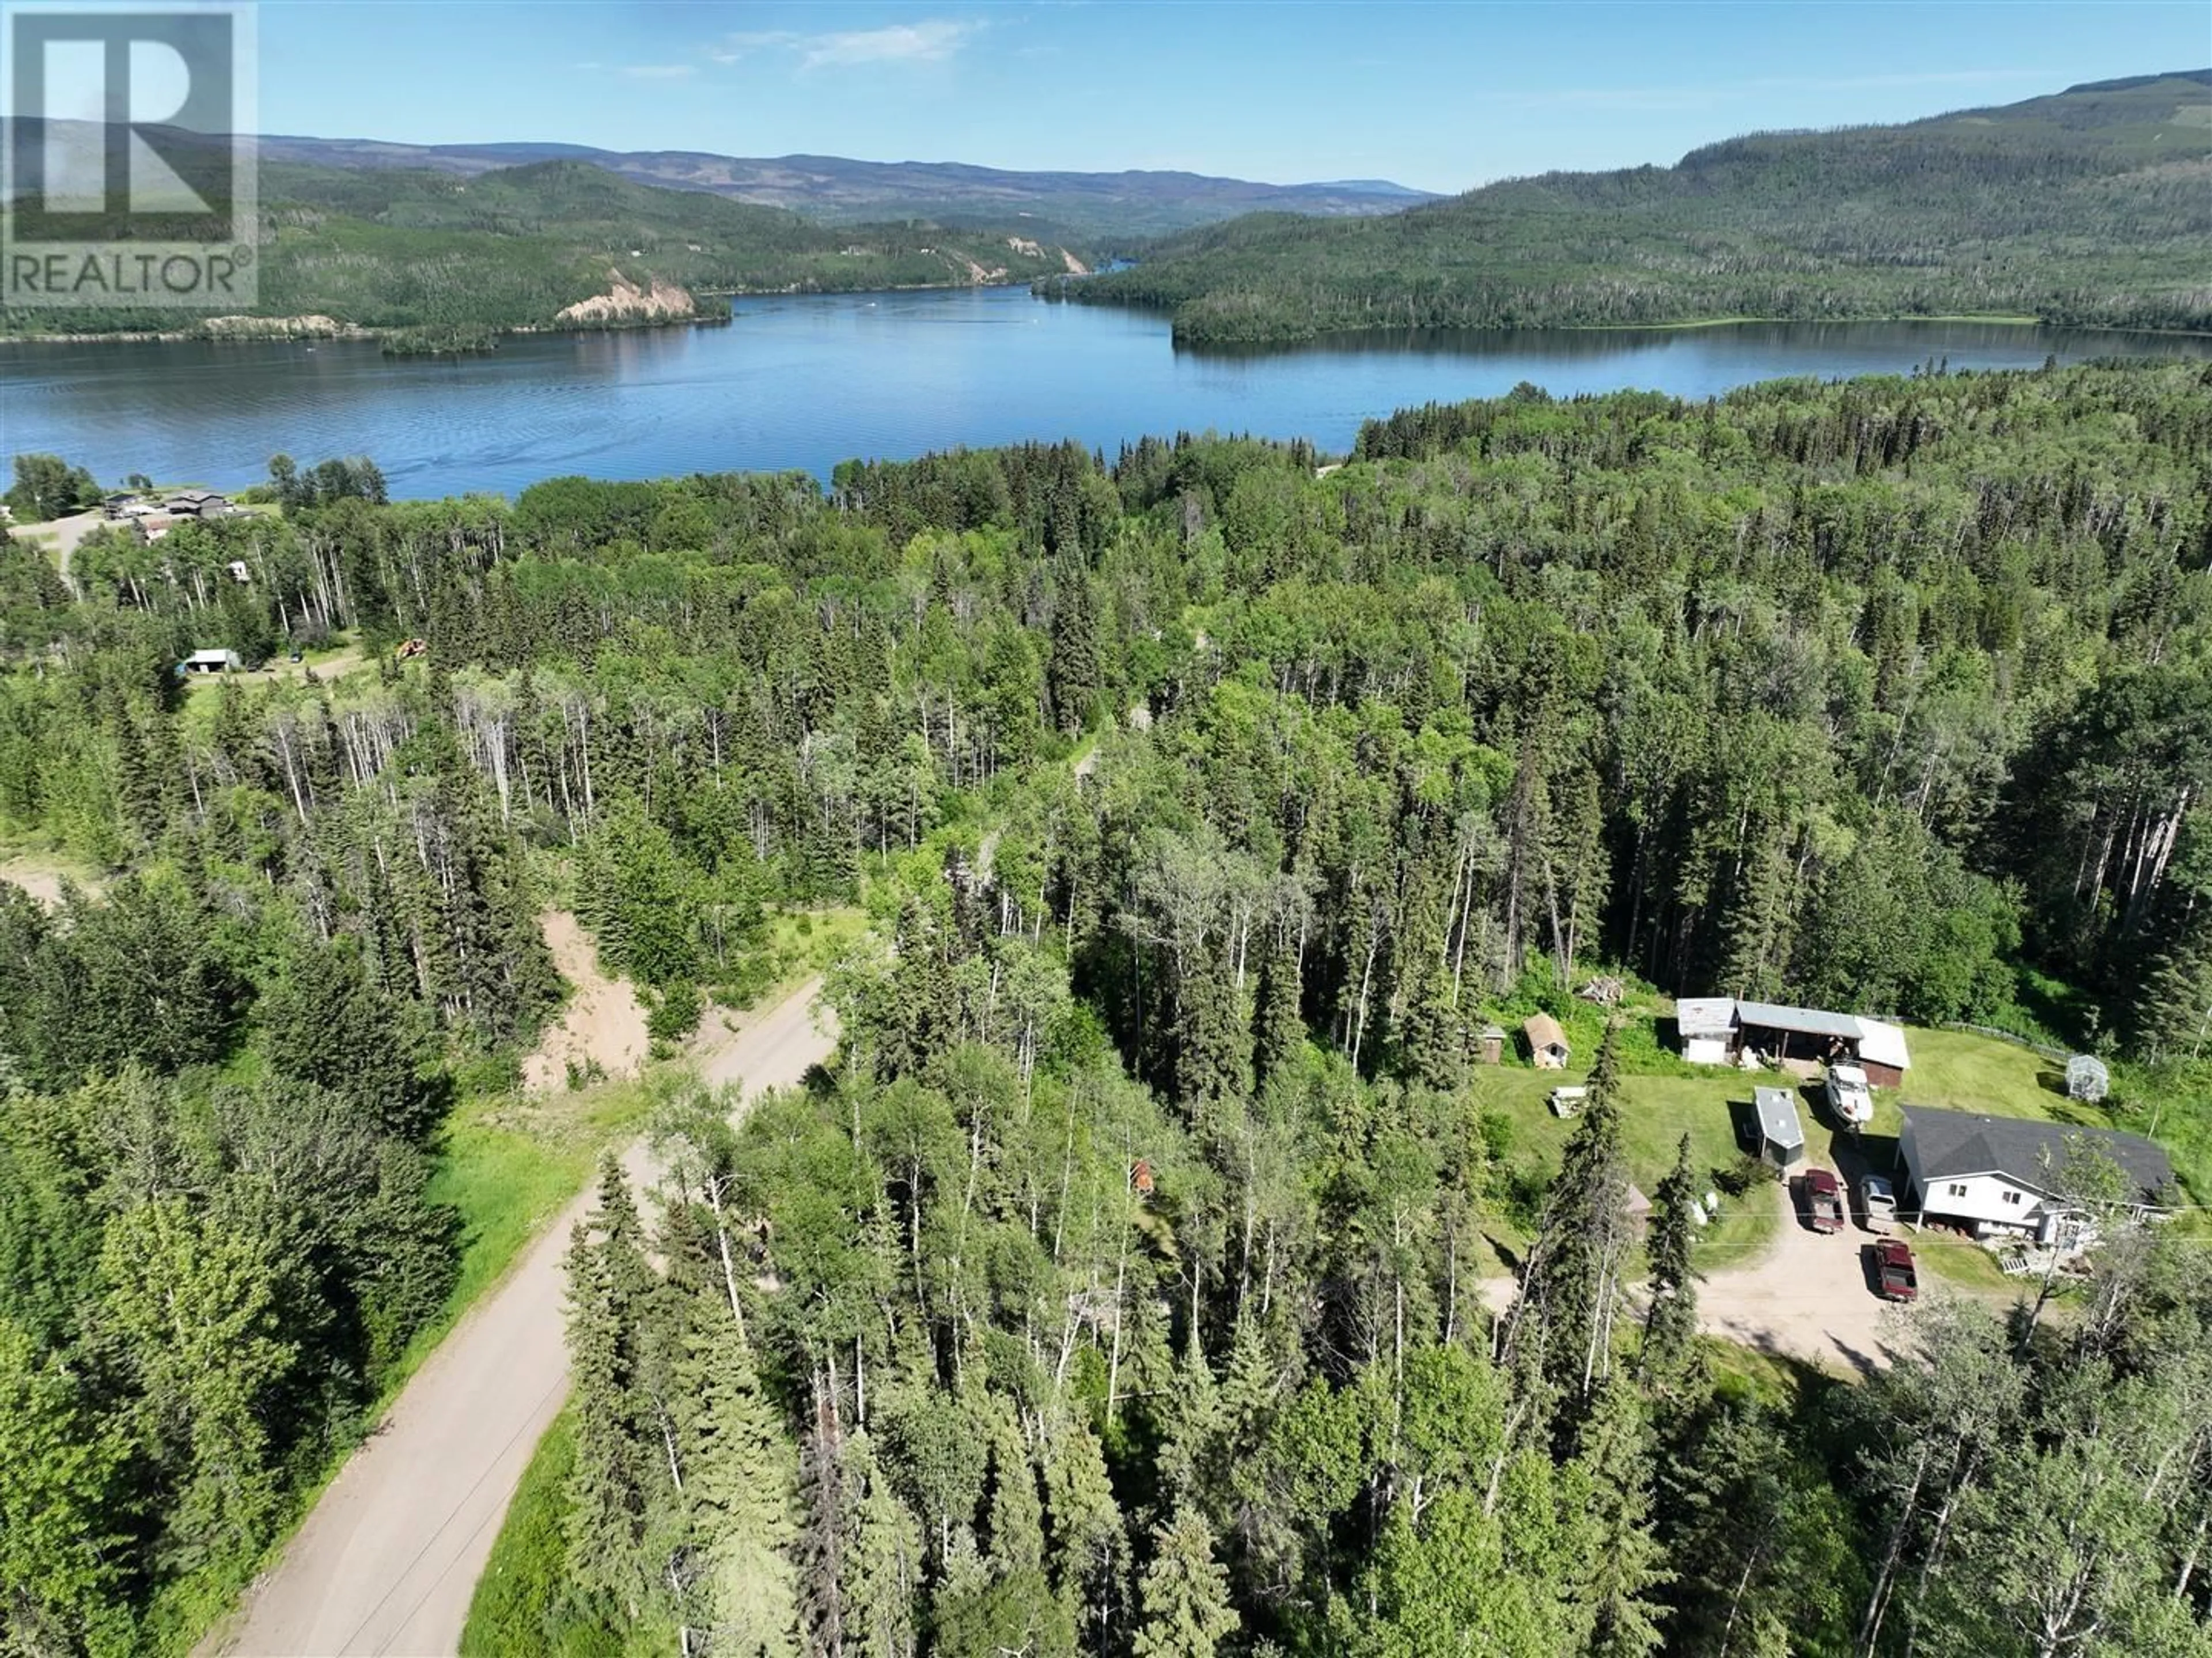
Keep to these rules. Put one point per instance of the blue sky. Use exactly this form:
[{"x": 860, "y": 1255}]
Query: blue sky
[{"x": 1442, "y": 97}]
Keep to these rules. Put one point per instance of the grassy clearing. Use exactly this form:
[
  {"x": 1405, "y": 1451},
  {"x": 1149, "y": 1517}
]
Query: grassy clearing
[
  {"x": 507, "y": 1164},
  {"x": 803, "y": 942},
  {"x": 1960, "y": 1072},
  {"x": 1664, "y": 1099},
  {"x": 1656, "y": 1111},
  {"x": 333, "y": 662}
]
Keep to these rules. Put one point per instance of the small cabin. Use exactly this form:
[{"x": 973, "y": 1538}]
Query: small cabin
[
  {"x": 1489, "y": 1044},
  {"x": 1548, "y": 1043},
  {"x": 210, "y": 661},
  {"x": 1781, "y": 1134},
  {"x": 1706, "y": 1025},
  {"x": 1636, "y": 1209}
]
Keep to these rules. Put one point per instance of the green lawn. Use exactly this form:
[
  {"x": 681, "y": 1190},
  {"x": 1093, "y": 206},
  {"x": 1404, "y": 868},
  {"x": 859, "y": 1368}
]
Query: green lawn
[
  {"x": 509, "y": 1164},
  {"x": 1961, "y": 1071},
  {"x": 1656, "y": 1112},
  {"x": 1963, "y": 1264}
]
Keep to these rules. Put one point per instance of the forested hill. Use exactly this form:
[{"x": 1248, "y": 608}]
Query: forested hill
[
  {"x": 2092, "y": 206},
  {"x": 837, "y": 190},
  {"x": 390, "y": 248}
]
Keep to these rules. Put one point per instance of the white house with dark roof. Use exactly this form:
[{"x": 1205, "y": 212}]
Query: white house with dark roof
[{"x": 2003, "y": 1174}]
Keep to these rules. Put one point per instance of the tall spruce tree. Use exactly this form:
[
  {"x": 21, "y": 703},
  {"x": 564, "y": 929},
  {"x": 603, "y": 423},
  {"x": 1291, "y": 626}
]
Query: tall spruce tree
[
  {"x": 881, "y": 1563},
  {"x": 1624, "y": 1558},
  {"x": 1670, "y": 1318},
  {"x": 1571, "y": 1285},
  {"x": 606, "y": 1489},
  {"x": 1185, "y": 1592},
  {"x": 740, "y": 1492}
]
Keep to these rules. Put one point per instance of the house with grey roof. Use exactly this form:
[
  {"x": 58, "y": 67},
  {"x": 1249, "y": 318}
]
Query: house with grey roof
[
  {"x": 1723, "y": 1031},
  {"x": 2006, "y": 1175}
]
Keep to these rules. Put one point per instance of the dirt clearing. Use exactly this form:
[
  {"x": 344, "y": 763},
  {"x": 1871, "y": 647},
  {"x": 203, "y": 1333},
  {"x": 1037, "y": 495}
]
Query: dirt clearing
[
  {"x": 604, "y": 1023},
  {"x": 42, "y": 876}
]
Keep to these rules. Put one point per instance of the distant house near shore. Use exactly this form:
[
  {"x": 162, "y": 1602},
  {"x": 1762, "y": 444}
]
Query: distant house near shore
[
  {"x": 1722, "y": 1030},
  {"x": 195, "y": 503},
  {"x": 2000, "y": 1175}
]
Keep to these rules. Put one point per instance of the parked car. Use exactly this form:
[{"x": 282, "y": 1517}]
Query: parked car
[
  {"x": 1849, "y": 1097},
  {"x": 1878, "y": 1203},
  {"x": 1824, "y": 1201},
  {"x": 1894, "y": 1276}
]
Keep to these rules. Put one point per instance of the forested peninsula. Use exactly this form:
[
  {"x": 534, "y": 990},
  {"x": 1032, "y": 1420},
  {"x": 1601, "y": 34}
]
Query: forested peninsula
[
  {"x": 440, "y": 260},
  {"x": 1160, "y": 1267},
  {"x": 2090, "y": 208}
]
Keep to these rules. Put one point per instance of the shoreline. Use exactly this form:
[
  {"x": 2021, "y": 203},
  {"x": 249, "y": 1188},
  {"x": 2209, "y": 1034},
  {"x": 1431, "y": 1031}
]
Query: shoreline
[
  {"x": 274, "y": 330},
  {"x": 1336, "y": 336}
]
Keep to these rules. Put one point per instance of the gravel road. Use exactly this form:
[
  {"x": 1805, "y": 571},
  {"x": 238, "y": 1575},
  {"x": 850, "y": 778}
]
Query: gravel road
[{"x": 388, "y": 1560}]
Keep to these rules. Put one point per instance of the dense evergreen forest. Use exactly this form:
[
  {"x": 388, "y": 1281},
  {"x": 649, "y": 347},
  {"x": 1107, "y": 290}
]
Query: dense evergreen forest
[
  {"x": 398, "y": 249},
  {"x": 1122, "y": 1289},
  {"x": 2092, "y": 207}
]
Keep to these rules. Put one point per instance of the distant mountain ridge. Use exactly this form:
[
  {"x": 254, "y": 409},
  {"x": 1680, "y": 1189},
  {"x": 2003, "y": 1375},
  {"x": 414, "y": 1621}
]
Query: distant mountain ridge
[
  {"x": 2089, "y": 207},
  {"x": 838, "y": 190},
  {"x": 436, "y": 259}
]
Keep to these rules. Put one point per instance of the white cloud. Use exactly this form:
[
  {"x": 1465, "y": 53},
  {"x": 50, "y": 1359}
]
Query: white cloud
[
  {"x": 932, "y": 41},
  {"x": 732, "y": 48}
]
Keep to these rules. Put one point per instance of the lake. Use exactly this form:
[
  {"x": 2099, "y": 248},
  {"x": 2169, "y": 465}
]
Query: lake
[{"x": 807, "y": 382}]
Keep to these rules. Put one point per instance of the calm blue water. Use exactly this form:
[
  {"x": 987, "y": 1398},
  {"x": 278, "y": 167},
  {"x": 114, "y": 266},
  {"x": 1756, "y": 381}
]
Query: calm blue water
[{"x": 809, "y": 382}]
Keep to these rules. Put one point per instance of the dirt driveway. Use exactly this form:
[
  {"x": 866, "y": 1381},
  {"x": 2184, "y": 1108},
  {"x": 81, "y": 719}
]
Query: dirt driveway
[
  {"x": 60, "y": 536},
  {"x": 1808, "y": 1297},
  {"x": 388, "y": 1561}
]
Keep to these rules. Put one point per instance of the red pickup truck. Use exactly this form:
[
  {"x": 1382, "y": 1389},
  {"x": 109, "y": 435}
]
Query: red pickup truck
[
  {"x": 1894, "y": 1277},
  {"x": 1824, "y": 1201}
]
